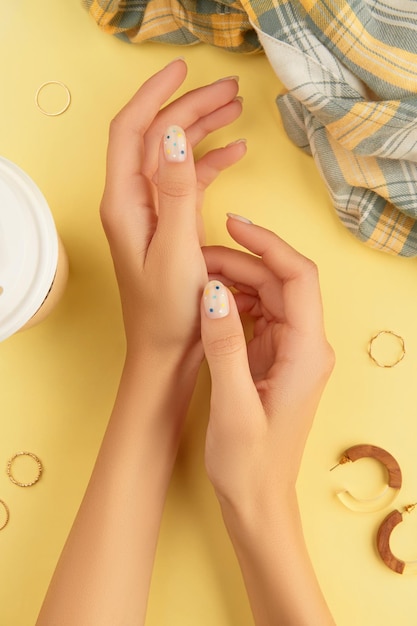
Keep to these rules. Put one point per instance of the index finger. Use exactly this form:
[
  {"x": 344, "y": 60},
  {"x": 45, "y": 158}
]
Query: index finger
[
  {"x": 298, "y": 275},
  {"x": 125, "y": 149}
]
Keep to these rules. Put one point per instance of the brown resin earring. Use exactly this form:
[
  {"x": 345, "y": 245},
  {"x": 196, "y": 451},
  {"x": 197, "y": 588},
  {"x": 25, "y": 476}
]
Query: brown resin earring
[
  {"x": 394, "y": 478},
  {"x": 383, "y": 542}
]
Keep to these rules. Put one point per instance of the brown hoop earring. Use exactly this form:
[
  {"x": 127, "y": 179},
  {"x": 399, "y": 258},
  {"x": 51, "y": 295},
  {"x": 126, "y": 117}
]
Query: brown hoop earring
[
  {"x": 383, "y": 542},
  {"x": 394, "y": 478}
]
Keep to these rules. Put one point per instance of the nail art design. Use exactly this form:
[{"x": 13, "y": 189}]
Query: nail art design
[
  {"x": 175, "y": 144},
  {"x": 216, "y": 300}
]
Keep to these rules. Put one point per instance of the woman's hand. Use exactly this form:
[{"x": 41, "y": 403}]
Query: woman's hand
[
  {"x": 264, "y": 397},
  {"x": 149, "y": 211},
  {"x": 150, "y": 207},
  {"x": 265, "y": 394}
]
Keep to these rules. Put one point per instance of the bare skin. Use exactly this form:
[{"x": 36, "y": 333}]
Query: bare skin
[{"x": 263, "y": 397}]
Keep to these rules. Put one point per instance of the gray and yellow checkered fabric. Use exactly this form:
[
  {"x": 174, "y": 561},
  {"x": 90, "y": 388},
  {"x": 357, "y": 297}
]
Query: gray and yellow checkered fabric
[{"x": 349, "y": 68}]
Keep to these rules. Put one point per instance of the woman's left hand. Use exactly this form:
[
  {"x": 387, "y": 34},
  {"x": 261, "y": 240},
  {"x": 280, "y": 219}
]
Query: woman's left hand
[{"x": 151, "y": 206}]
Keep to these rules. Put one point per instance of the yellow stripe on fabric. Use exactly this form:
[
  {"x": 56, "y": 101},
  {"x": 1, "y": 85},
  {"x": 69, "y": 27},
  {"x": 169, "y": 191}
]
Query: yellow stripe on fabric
[
  {"x": 393, "y": 227},
  {"x": 359, "y": 171},
  {"x": 259, "y": 8},
  {"x": 393, "y": 65},
  {"x": 152, "y": 29},
  {"x": 363, "y": 120},
  {"x": 103, "y": 17},
  {"x": 392, "y": 230},
  {"x": 158, "y": 20},
  {"x": 162, "y": 18}
]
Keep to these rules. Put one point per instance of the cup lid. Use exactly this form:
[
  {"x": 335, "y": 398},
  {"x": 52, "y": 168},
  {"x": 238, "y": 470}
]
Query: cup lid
[{"x": 28, "y": 248}]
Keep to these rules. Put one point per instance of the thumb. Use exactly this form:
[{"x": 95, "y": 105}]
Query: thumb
[{"x": 225, "y": 348}]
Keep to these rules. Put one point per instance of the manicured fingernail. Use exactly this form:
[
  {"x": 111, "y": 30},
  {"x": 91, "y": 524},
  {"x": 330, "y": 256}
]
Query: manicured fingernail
[
  {"x": 221, "y": 80},
  {"x": 216, "y": 300},
  {"x": 175, "y": 145},
  {"x": 174, "y": 61},
  {"x": 239, "y": 218},
  {"x": 233, "y": 143}
]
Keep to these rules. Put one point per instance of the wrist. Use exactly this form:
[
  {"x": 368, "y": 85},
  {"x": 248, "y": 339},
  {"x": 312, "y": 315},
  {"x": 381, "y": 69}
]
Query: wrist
[
  {"x": 268, "y": 540},
  {"x": 250, "y": 493},
  {"x": 248, "y": 515},
  {"x": 154, "y": 393},
  {"x": 145, "y": 354}
]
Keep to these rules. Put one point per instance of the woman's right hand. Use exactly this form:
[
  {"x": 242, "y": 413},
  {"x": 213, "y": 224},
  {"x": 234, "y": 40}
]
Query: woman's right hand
[
  {"x": 263, "y": 400},
  {"x": 264, "y": 394}
]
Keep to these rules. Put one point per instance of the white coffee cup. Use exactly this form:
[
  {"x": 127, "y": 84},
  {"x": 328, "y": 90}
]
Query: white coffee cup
[{"x": 33, "y": 262}]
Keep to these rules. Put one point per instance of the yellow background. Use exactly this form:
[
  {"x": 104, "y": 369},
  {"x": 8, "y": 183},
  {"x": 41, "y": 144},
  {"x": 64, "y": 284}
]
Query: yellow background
[{"x": 58, "y": 379}]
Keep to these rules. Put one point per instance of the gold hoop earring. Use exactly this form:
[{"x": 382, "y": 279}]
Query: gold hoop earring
[
  {"x": 63, "y": 108},
  {"x": 7, "y": 515},
  {"x": 18, "y": 482},
  {"x": 394, "y": 478},
  {"x": 397, "y": 359},
  {"x": 383, "y": 542}
]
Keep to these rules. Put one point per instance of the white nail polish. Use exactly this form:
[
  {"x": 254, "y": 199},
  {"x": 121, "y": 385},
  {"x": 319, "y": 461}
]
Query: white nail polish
[
  {"x": 239, "y": 218},
  {"x": 216, "y": 300},
  {"x": 175, "y": 144}
]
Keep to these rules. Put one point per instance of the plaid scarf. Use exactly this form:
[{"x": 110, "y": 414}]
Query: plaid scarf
[{"x": 349, "y": 69}]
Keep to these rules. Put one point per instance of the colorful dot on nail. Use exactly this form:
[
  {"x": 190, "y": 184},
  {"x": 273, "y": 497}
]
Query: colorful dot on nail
[
  {"x": 217, "y": 286},
  {"x": 182, "y": 152},
  {"x": 211, "y": 310}
]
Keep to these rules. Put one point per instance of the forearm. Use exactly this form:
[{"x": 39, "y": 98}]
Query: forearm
[
  {"x": 104, "y": 572},
  {"x": 279, "y": 578}
]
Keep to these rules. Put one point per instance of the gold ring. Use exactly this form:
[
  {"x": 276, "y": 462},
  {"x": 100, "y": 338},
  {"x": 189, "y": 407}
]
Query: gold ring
[
  {"x": 60, "y": 111},
  {"x": 6, "y": 509},
  {"x": 401, "y": 353},
  {"x": 38, "y": 463}
]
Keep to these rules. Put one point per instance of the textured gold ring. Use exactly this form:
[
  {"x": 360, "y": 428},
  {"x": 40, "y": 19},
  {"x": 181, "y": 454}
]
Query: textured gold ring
[
  {"x": 401, "y": 354},
  {"x": 7, "y": 512},
  {"x": 60, "y": 111},
  {"x": 39, "y": 469}
]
